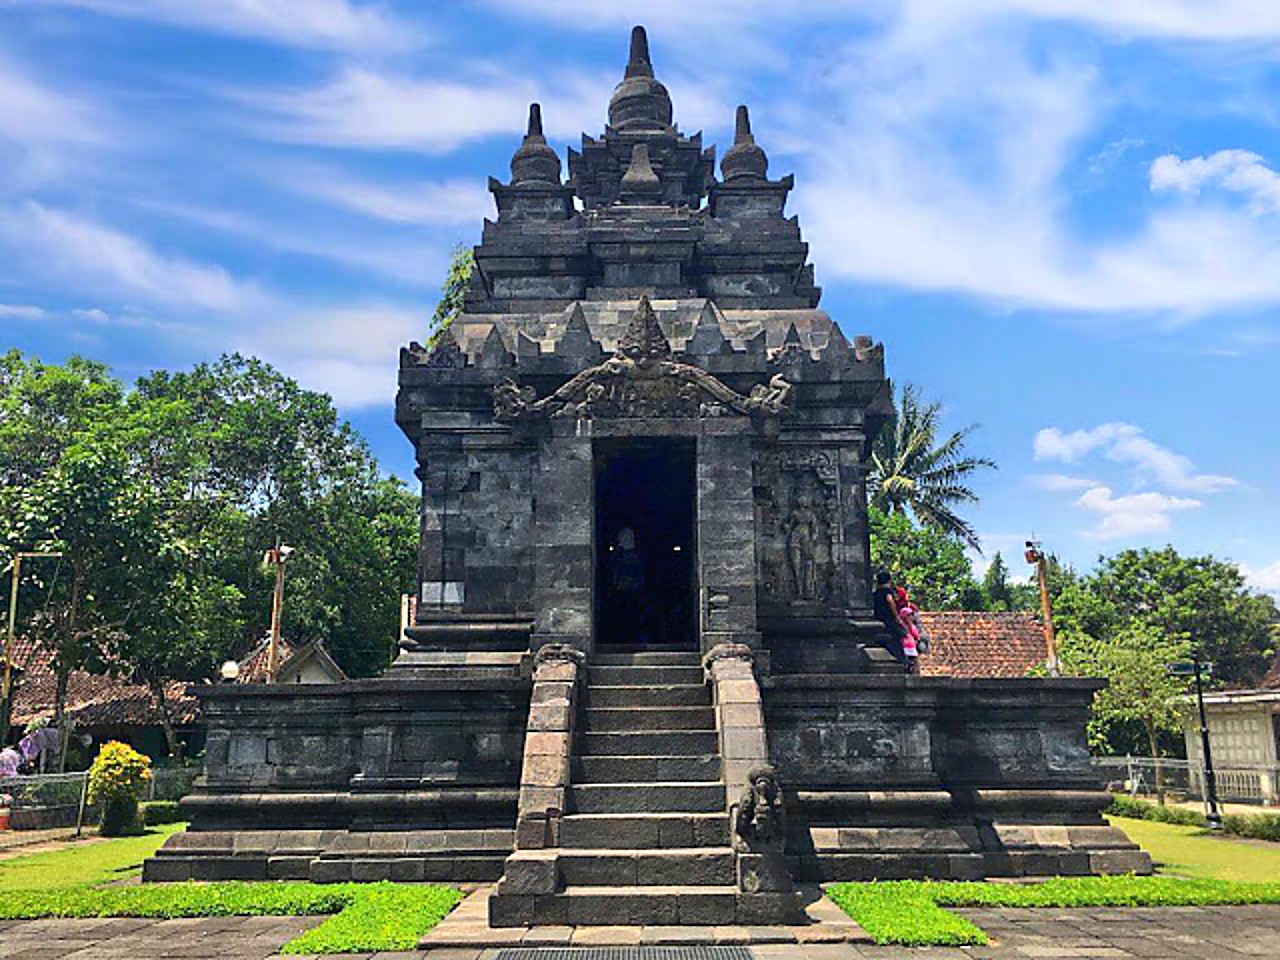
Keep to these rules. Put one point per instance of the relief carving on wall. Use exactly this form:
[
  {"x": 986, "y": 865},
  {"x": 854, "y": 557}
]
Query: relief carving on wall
[
  {"x": 641, "y": 380},
  {"x": 798, "y": 501}
]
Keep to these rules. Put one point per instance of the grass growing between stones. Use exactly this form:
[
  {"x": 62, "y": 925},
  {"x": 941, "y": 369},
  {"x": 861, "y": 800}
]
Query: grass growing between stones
[
  {"x": 910, "y": 911},
  {"x": 82, "y": 863}
]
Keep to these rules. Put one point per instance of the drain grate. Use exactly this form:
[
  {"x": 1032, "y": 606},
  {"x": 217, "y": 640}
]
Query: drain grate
[{"x": 625, "y": 953}]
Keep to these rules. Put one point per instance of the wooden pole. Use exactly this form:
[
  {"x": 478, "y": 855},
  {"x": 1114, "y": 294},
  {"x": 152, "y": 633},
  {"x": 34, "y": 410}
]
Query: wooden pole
[
  {"x": 1046, "y": 611},
  {"x": 277, "y": 602}
]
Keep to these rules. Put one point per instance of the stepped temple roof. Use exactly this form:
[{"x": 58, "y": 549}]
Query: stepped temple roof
[{"x": 641, "y": 213}]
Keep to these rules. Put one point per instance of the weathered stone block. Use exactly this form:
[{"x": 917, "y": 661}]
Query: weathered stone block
[{"x": 530, "y": 872}]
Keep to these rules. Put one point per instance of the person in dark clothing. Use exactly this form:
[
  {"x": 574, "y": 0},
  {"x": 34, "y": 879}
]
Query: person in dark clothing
[{"x": 884, "y": 604}]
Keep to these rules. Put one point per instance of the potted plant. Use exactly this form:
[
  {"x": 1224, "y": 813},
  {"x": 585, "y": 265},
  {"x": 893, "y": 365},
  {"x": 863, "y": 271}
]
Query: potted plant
[{"x": 6, "y": 802}]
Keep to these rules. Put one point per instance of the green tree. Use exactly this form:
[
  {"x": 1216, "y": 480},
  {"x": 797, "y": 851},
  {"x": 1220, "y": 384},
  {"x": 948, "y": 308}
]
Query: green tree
[
  {"x": 995, "y": 585},
  {"x": 1194, "y": 600},
  {"x": 932, "y": 563},
  {"x": 453, "y": 291},
  {"x": 1139, "y": 689},
  {"x": 912, "y": 471}
]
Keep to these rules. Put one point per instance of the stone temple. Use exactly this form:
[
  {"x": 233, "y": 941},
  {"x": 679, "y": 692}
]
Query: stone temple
[{"x": 643, "y": 683}]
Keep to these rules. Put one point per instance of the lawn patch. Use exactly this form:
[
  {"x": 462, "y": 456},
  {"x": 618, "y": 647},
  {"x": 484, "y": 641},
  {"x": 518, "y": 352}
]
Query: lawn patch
[
  {"x": 910, "y": 911},
  {"x": 382, "y": 917},
  {"x": 82, "y": 863},
  {"x": 903, "y": 912},
  {"x": 1192, "y": 852},
  {"x": 169, "y": 900}
]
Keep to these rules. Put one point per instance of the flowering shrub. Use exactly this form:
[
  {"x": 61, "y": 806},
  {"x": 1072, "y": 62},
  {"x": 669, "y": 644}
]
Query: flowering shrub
[{"x": 118, "y": 780}]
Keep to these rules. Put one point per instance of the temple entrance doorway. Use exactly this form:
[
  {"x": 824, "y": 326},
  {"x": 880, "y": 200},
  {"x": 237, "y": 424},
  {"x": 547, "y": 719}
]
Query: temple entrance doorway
[{"x": 646, "y": 569}]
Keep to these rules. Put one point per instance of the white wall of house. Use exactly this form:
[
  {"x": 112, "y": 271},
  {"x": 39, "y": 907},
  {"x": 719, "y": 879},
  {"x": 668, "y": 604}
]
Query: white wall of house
[{"x": 1243, "y": 734}]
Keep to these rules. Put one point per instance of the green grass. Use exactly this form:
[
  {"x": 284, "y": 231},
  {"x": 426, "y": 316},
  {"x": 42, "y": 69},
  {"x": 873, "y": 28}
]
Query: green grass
[
  {"x": 1193, "y": 852},
  {"x": 381, "y": 917},
  {"x": 82, "y": 863},
  {"x": 910, "y": 911},
  {"x": 365, "y": 916}
]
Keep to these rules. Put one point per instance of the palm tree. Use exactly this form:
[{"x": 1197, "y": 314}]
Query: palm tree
[{"x": 909, "y": 472}]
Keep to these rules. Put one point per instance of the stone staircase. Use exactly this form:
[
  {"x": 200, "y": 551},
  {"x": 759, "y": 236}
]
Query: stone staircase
[{"x": 645, "y": 835}]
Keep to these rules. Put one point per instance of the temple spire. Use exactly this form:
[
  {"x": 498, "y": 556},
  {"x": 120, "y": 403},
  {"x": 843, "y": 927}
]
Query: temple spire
[
  {"x": 638, "y": 63},
  {"x": 744, "y": 160},
  {"x": 640, "y": 103},
  {"x": 640, "y": 184},
  {"x": 534, "y": 161}
]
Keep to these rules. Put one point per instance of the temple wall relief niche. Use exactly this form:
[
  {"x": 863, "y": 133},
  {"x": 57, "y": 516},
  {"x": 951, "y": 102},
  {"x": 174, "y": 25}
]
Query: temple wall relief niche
[{"x": 798, "y": 516}]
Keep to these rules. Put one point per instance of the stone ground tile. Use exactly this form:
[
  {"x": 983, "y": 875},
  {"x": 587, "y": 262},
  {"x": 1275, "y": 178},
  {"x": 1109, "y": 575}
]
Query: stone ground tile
[
  {"x": 606, "y": 936},
  {"x": 679, "y": 935},
  {"x": 452, "y": 953},
  {"x": 549, "y": 936}
]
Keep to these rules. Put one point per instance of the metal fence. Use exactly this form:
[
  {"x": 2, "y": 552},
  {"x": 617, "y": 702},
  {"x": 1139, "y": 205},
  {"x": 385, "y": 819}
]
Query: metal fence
[
  {"x": 1146, "y": 776},
  {"x": 50, "y": 800}
]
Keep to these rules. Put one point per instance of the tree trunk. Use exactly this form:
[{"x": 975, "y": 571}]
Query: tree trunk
[
  {"x": 166, "y": 720},
  {"x": 1155, "y": 756},
  {"x": 62, "y": 677}
]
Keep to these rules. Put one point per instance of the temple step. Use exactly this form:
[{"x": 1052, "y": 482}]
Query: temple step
[
  {"x": 649, "y": 743},
  {"x": 649, "y": 906},
  {"x": 683, "y": 695},
  {"x": 688, "y": 866},
  {"x": 638, "y": 769},
  {"x": 646, "y": 675},
  {"x": 656, "y": 797},
  {"x": 615, "y": 719},
  {"x": 649, "y": 658},
  {"x": 630, "y": 831}
]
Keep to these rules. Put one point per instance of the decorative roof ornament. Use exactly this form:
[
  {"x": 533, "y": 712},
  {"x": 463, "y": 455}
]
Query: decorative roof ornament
[
  {"x": 534, "y": 161},
  {"x": 745, "y": 159},
  {"x": 644, "y": 341},
  {"x": 641, "y": 381},
  {"x": 640, "y": 102},
  {"x": 640, "y": 184}
]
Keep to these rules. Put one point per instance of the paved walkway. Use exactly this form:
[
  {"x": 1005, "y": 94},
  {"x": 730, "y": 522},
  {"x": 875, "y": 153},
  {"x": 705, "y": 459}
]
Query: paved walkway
[{"x": 1167, "y": 933}]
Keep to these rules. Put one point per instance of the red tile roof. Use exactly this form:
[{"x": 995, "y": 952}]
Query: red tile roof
[
  {"x": 977, "y": 643},
  {"x": 95, "y": 699},
  {"x": 1271, "y": 680}
]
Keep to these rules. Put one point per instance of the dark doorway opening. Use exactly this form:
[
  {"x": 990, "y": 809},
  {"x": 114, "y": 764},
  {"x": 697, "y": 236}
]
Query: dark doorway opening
[{"x": 646, "y": 579}]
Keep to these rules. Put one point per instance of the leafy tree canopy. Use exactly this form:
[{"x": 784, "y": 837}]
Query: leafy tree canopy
[
  {"x": 932, "y": 563},
  {"x": 453, "y": 291}
]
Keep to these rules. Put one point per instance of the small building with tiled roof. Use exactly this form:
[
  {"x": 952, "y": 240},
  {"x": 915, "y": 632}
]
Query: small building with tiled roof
[
  {"x": 981, "y": 643},
  {"x": 106, "y": 707}
]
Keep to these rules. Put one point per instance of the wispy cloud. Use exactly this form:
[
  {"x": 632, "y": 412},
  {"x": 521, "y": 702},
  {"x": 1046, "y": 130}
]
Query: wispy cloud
[
  {"x": 1126, "y": 443},
  {"x": 1061, "y": 483},
  {"x": 446, "y": 202},
  {"x": 33, "y": 111},
  {"x": 22, "y": 311},
  {"x": 1265, "y": 579},
  {"x": 314, "y": 24}
]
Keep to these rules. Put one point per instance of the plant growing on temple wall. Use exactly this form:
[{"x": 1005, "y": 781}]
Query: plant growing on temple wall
[
  {"x": 117, "y": 782},
  {"x": 452, "y": 292},
  {"x": 912, "y": 472}
]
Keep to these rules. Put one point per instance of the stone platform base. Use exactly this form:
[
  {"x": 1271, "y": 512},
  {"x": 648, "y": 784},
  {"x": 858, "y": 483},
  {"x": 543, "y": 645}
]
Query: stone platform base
[
  {"x": 332, "y": 856},
  {"x": 467, "y": 927}
]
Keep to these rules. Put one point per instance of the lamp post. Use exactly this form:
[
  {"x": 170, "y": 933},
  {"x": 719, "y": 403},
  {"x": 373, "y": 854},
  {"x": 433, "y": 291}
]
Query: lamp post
[
  {"x": 1198, "y": 668},
  {"x": 1037, "y": 558},
  {"x": 6, "y": 684},
  {"x": 276, "y": 557}
]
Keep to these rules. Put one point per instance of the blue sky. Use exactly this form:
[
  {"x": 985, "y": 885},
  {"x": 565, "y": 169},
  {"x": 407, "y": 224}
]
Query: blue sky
[{"x": 1062, "y": 217}]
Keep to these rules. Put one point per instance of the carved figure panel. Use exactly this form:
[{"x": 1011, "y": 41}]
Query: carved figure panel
[{"x": 798, "y": 516}]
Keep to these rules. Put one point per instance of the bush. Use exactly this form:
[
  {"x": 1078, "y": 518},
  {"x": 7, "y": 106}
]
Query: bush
[
  {"x": 1123, "y": 805},
  {"x": 117, "y": 781},
  {"x": 156, "y": 812},
  {"x": 1258, "y": 826}
]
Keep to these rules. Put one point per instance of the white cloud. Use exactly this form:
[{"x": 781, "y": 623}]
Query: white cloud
[
  {"x": 314, "y": 24},
  {"x": 1131, "y": 515},
  {"x": 1264, "y": 580},
  {"x": 1060, "y": 482},
  {"x": 22, "y": 311},
  {"x": 417, "y": 202},
  {"x": 1238, "y": 171},
  {"x": 62, "y": 247},
  {"x": 1126, "y": 443},
  {"x": 31, "y": 111},
  {"x": 366, "y": 108}
]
